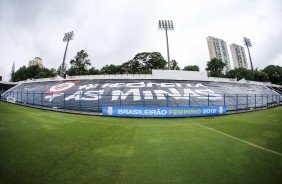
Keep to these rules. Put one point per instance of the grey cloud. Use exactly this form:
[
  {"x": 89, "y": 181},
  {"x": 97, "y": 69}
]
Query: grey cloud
[{"x": 112, "y": 32}]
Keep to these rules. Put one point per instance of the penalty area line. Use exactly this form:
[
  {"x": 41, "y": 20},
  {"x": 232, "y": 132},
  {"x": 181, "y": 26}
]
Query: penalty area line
[{"x": 251, "y": 144}]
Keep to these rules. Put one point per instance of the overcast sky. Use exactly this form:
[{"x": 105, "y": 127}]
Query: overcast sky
[{"x": 114, "y": 31}]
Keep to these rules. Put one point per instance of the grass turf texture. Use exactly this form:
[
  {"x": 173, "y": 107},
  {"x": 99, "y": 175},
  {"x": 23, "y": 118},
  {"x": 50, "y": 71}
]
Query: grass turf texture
[{"x": 39, "y": 146}]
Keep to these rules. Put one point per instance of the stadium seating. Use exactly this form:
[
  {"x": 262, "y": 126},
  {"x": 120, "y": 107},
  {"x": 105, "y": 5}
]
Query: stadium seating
[
  {"x": 89, "y": 95},
  {"x": 5, "y": 86}
]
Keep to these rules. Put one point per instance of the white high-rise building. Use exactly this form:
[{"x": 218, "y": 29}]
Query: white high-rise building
[
  {"x": 37, "y": 61},
  {"x": 218, "y": 49},
  {"x": 238, "y": 56}
]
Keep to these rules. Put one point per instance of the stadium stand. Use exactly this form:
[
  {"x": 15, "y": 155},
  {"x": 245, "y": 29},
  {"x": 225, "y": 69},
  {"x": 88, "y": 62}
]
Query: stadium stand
[
  {"x": 89, "y": 93},
  {"x": 276, "y": 89},
  {"x": 4, "y": 86}
]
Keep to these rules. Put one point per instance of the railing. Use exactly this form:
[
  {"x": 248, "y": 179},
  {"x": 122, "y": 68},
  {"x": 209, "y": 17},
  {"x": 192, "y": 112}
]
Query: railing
[{"x": 84, "y": 104}]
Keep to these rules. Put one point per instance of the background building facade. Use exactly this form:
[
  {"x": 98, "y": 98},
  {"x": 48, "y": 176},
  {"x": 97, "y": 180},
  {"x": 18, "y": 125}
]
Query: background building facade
[
  {"x": 218, "y": 49},
  {"x": 37, "y": 61},
  {"x": 238, "y": 56}
]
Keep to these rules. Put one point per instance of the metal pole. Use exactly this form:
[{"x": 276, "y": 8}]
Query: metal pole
[
  {"x": 64, "y": 102},
  {"x": 248, "y": 44},
  {"x": 189, "y": 99},
  {"x": 267, "y": 101},
  {"x": 251, "y": 63},
  {"x": 80, "y": 102},
  {"x": 224, "y": 99},
  {"x": 255, "y": 101},
  {"x": 41, "y": 99},
  {"x": 67, "y": 37},
  {"x": 236, "y": 103},
  {"x": 208, "y": 99},
  {"x": 167, "y": 45},
  {"x": 52, "y": 100},
  {"x": 247, "y": 107},
  {"x": 167, "y": 100},
  {"x": 166, "y": 25},
  {"x": 250, "y": 58},
  {"x": 262, "y": 100},
  {"x": 120, "y": 99},
  {"x": 272, "y": 100},
  {"x": 98, "y": 104},
  {"x": 63, "y": 64}
]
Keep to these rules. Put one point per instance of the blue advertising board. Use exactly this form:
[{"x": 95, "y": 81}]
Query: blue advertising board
[{"x": 163, "y": 112}]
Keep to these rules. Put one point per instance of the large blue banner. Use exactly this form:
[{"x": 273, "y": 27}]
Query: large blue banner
[{"x": 163, "y": 112}]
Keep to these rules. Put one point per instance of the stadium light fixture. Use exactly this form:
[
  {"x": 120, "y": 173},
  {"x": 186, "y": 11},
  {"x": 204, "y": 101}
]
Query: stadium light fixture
[
  {"x": 67, "y": 37},
  {"x": 248, "y": 43},
  {"x": 166, "y": 25}
]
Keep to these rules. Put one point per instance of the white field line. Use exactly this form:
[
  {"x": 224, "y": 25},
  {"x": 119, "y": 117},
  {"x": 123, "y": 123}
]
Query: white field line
[{"x": 251, "y": 144}]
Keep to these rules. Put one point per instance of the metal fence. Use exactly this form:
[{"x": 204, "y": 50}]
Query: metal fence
[{"x": 61, "y": 102}]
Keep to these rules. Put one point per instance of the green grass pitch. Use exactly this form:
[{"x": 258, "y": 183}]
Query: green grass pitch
[{"x": 38, "y": 146}]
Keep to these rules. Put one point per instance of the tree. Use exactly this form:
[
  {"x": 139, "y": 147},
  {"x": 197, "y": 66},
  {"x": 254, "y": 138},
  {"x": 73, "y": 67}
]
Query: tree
[
  {"x": 261, "y": 76},
  {"x": 79, "y": 65},
  {"x": 110, "y": 69},
  {"x": 240, "y": 73},
  {"x": 274, "y": 73},
  {"x": 215, "y": 67},
  {"x": 149, "y": 61},
  {"x": 45, "y": 73},
  {"x": 42, "y": 74},
  {"x": 64, "y": 69},
  {"x": 131, "y": 67},
  {"x": 93, "y": 71},
  {"x": 174, "y": 65},
  {"x": 191, "y": 68},
  {"x": 20, "y": 74},
  {"x": 32, "y": 72},
  {"x": 142, "y": 63}
]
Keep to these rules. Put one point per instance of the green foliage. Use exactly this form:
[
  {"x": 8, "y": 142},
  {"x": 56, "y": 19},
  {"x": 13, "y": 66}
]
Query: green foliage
[
  {"x": 174, "y": 65},
  {"x": 274, "y": 73},
  {"x": 240, "y": 73},
  {"x": 32, "y": 72},
  {"x": 191, "y": 68},
  {"x": 261, "y": 76},
  {"x": 215, "y": 67},
  {"x": 93, "y": 71},
  {"x": 148, "y": 61},
  {"x": 79, "y": 65},
  {"x": 142, "y": 63},
  {"x": 130, "y": 67},
  {"x": 110, "y": 69},
  {"x": 20, "y": 75},
  {"x": 59, "y": 70}
]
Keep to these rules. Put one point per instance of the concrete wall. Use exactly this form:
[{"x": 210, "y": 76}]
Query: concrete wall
[
  {"x": 159, "y": 74},
  {"x": 156, "y": 74}
]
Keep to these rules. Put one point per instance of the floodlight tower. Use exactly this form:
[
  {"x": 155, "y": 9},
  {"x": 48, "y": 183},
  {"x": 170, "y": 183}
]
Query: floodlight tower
[
  {"x": 248, "y": 43},
  {"x": 67, "y": 37},
  {"x": 166, "y": 25}
]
